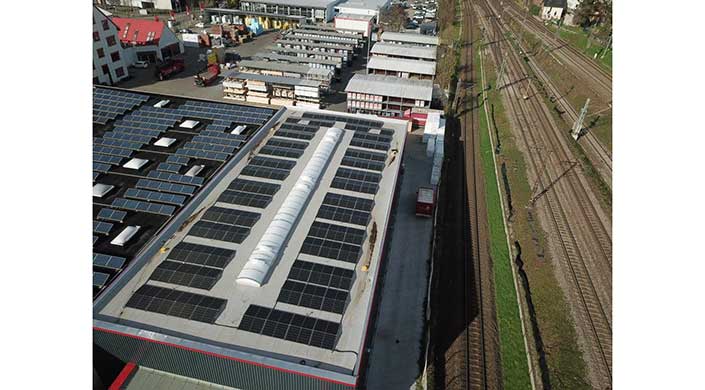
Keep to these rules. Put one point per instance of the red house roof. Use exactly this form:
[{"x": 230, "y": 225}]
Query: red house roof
[{"x": 139, "y": 31}]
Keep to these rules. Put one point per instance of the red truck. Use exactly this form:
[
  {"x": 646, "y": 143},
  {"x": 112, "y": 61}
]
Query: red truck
[
  {"x": 425, "y": 198},
  {"x": 205, "y": 79},
  {"x": 169, "y": 67}
]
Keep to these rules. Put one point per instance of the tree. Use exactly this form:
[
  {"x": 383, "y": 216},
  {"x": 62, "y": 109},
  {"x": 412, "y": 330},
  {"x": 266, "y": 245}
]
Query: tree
[{"x": 393, "y": 17}]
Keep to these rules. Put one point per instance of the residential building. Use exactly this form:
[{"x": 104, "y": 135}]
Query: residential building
[
  {"x": 148, "y": 40},
  {"x": 109, "y": 62}
]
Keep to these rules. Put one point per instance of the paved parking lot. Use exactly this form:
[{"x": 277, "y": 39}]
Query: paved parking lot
[{"x": 182, "y": 84}]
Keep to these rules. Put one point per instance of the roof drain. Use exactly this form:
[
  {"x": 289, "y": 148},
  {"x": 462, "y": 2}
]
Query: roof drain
[{"x": 269, "y": 246}]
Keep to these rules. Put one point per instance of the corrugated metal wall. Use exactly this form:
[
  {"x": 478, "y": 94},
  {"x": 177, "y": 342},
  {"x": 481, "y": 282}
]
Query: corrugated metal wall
[{"x": 206, "y": 367}]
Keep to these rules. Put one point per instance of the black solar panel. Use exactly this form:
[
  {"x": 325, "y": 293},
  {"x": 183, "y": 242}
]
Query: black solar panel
[
  {"x": 285, "y": 143},
  {"x": 137, "y": 205},
  {"x": 101, "y": 167},
  {"x": 112, "y": 215},
  {"x": 178, "y": 160},
  {"x": 294, "y": 134},
  {"x": 331, "y": 249},
  {"x": 169, "y": 167},
  {"x": 265, "y": 172},
  {"x": 313, "y": 296},
  {"x": 219, "y": 231},
  {"x": 362, "y": 164},
  {"x": 324, "y": 275},
  {"x": 299, "y": 127},
  {"x": 245, "y": 198},
  {"x": 100, "y": 279},
  {"x": 272, "y": 162},
  {"x": 185, "y": 274},
  {"x": 348, "y": 202},
  {"x": 176, "y": 303},
  {"x": 354, "y": 185},
  {"x": 355, "y": 174},
  {"x": 165, "y": 186},
  {"x": 365, "y": 155},
  {"x": 337, "y": 233},
  {"x": 201, "y": 254},
  {"x": 289, "y": 326},
  {"x": 360, "y": 143},
  {"x": 230, "y": 216},
  {"x": 344, "y": 215},
  {"x": 153, "y": 196},
  {"x": 175, "y": 178},
  {"x": 282, "y": 152},
  {"x": 100, "y": 227},
  {"x": 255, "y": 187},
  {"x": 108, "y": 261}
]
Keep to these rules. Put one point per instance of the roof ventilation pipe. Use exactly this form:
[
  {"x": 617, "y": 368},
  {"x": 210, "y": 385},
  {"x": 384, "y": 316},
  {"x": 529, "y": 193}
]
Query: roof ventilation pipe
[{"x": 269, "y": 246}]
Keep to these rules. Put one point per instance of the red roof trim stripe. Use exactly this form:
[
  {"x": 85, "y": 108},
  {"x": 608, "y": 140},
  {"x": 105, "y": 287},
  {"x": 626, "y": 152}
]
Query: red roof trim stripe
[{"x": 223, "y": 356}]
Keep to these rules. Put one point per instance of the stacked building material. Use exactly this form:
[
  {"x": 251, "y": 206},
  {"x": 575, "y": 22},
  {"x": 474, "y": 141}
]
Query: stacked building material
[{"x": 235, "y": 89}]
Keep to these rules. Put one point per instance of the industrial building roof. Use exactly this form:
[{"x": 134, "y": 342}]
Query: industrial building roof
[
  {"x": 301, "y": 41},
  {"x": 390, "y": 86},
  {"x": 412, "y": 51},
  {"x": 274, "y": 79},
  {"x": 372, "y": 5},
  {"x": 319, "y": 36},
  {"x": 302, "y": 212},
  {"x": 283, "y": 67},
  {"x": 334, "y": 34},
  {"x": 140, "y": 180},
  {"x": 402, "y": 65},
  {"x": 309, "y": 53},
  {"x": 365, "y": 18},
  {"x": 413, "y": 38},
  {"x": 299, "y": 3},
  {"x": 296, "y": 59}
]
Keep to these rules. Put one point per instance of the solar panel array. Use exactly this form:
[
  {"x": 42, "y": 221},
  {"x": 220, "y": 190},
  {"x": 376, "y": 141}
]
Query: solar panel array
[
  {"x": 317, "y": 286},
  {"x": 108, "y": 103},
  {"x": 176, "y": 303},
  {"x": 225, "y": 224},
  {"x": 289, "y": 326}
]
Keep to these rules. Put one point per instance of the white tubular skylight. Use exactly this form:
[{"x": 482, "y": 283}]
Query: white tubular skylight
[
  {"x": 189, "y": 124},
  {"x": 135, "y": 163},
  {"x": 165, "y": 142},
  {"x": 99, "y": 190},
  {"x": 269, "y": 246}
]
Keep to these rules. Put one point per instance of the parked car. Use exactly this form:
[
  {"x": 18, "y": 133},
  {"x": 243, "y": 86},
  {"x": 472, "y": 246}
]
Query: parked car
[
  {"x": 200, "y": 25},
  {"x": 185, "y": 31},
  {"x": 141, "y": 64}
]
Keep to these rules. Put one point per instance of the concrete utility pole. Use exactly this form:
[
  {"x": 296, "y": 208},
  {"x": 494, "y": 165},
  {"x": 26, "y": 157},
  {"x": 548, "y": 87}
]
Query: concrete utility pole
[{"x": 577, "y": 129}]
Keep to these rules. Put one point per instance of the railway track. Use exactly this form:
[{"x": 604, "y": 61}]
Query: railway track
[
  {"x": 599, "y": 155},
  {"x": 578, "y": 229},
  {"x": 574, "y": 58}
]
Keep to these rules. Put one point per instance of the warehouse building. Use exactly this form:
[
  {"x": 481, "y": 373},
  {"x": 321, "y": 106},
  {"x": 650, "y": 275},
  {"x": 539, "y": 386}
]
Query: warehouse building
[
  {"x": 363, "y": 7},
  {"x": 355, "y": 23},
  {"x": 411, "y": 52},
  {"x": 152, "y": 158},
  {"x": 313, "y": 10},
  {"x": 310, "y": 62},
  {"x": 275, "y": 68},
  {"x": 344, "y": 50},
  {"x": 402, "y": 67},
  {"x": 109, "y": 66},
  {"x": 338, "y": 58},
  {"x": 147, "y": 40},
  {"x": 387, "y": 95},
  {"x": 409, "y": 38},
  {"x": 264, "y": 19},
  {"x": 267, "y": 280},
  {"x": 329, "y": 36}
]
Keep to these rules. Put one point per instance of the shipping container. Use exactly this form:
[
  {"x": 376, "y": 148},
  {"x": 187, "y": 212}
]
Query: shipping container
[{"x": 424, "y": 201}]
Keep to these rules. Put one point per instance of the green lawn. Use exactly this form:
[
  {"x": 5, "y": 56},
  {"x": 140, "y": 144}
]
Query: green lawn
[
  {"x": 579, "y": 39},
  {"x": 513, "y": 352}
]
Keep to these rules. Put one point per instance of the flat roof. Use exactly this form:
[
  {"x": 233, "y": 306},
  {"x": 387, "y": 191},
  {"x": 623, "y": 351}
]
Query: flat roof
[
  {"x": 317, "y": 36},
  {"x": 301, "y": 41},
  {"x": 299, "y": 3},
  {"x": 402, "y": 65},
  {"x": 396, "y": 49},
  {"x": 366, "y": 18},
  {"x": 277, "y": 49},
  {"x": 297, "y": 59},
  {"x": 348, "y": 37},
  {"x": 274, "y": 79},
  {"x": 390, "y": 86},
  {"x": 126, "y": 127},
  {"x": 254, "y": 13},
  {"x": 283, "y": 67},
  {"x": 410, "y": 38},
  {"x": 318, "y": 278}
]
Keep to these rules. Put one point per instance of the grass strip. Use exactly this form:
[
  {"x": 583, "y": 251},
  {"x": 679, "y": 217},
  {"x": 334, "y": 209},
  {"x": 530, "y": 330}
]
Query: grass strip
[{"x": 513, "y": 353}]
